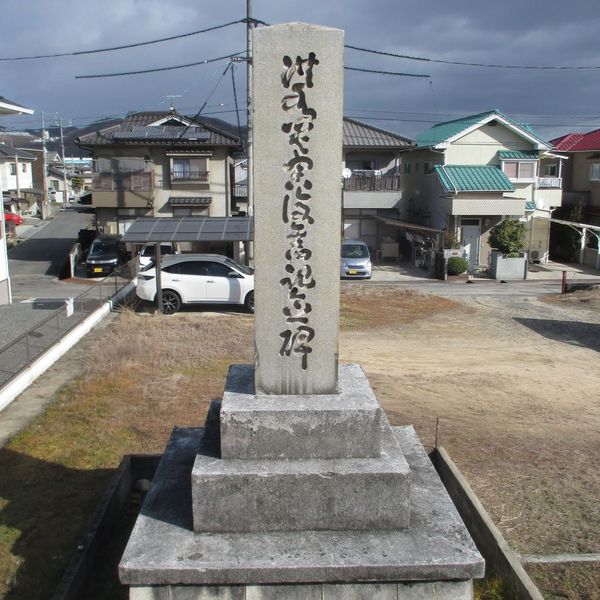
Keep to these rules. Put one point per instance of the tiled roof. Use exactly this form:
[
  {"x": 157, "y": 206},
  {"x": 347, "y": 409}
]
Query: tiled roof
[
  {"x": 477, "y": 178},
  {"x": 578, "y": 142},
  {"x": 443, "y": 131},
  {"x": 517, "y": 155},
  {"x": 7, "y": 151},
  {"x": 529, "y": 205},
  {"x": 361, "y": 135},
  {"x": 129, "y": 131}
]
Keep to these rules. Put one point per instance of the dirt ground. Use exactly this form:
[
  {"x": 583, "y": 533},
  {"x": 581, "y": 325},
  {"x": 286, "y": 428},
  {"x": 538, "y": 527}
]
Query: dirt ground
[{"x": 514, "y": 382}]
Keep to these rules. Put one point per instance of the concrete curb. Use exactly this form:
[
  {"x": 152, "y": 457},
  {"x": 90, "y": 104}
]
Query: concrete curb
[
  {"x": 22, "y": 381},
  {"x": 499, "y": 557}
]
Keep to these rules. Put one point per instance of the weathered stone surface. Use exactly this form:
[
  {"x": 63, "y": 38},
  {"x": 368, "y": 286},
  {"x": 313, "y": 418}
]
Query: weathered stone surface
[
  {"x": 439, "y": 590},
  {"x": 297, "y": 119},
  {"x": 308, "y": 494},
  {"x": 343, "y": 425},
  {"x": 164, "y": 550}
]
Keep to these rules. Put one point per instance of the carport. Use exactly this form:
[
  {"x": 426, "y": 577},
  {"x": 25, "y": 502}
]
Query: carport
[
  {"x": 157, "y": 230},
  {"x": 583, "y": 229},
  {"x": 434, "y": 236}
]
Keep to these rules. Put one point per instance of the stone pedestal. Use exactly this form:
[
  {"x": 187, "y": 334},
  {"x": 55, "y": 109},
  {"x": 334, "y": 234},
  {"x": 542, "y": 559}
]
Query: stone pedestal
[
  {"x": 197, "y": 537},
  {"x": 297, "y": 463}
]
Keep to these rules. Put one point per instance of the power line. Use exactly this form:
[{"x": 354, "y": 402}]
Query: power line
[
  {"x": 124, "y": 46},
  {"x": 156, "y": 70},
  {"x": 386, "y": 72},
  {"x": 469, "y": 64}
]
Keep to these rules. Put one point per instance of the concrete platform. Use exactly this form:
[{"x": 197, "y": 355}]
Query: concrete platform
[{"x": 164, "y": 553}]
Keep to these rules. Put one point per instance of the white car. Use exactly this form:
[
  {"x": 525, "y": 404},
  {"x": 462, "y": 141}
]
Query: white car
[
  {"x": 198, "y": 279},
  {"x": 147, "y": 253}
]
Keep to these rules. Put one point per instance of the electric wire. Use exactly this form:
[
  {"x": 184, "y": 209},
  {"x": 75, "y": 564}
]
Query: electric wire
[
  {"x": 387, "y": 72},
  {"x": 469, "y": 64},
  {"x": 156, "y": 70},
  {"x": 206, "y": 101},
  {"x": 124, "y": 46}
]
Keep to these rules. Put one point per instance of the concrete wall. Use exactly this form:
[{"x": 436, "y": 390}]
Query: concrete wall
[
  {"x": 480, "y": 147},
  {"x": 580, "y": 176}
]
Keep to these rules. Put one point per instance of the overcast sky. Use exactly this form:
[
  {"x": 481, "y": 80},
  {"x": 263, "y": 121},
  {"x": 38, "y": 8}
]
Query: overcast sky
[{"x": 523, "y": 32}]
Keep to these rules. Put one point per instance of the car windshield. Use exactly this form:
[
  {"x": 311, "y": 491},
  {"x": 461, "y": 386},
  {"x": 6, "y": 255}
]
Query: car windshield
[
  {"x": 355, "y": 251},
  {"x": 103, "y": 247},
  {"x": 236, "y": 265}
]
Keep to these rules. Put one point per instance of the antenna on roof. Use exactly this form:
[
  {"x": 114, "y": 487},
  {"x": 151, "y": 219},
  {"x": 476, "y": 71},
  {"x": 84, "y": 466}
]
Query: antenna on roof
[{"x": 170, "y": 98}]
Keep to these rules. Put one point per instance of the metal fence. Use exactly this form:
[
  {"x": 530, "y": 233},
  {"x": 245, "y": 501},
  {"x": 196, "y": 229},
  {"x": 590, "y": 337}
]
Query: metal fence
[{"x": 22, "y": 351}]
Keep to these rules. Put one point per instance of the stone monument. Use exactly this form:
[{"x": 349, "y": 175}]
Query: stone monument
[{"x": 298, "y": 487}]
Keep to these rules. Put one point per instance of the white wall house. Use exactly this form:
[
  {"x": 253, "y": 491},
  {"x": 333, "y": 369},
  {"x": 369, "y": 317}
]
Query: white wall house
[
  {"x": 7, "y": 107},
  {"x": 467, "y": 175}
]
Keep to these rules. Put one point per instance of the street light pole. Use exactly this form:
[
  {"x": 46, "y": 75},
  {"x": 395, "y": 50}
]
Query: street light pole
[{"x": 45, "y": 176}]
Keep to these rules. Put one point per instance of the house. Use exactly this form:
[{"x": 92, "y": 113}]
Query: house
[
  {"x": 372, "y": 193},
  {"x": 7, "y": 107},
  {"x": 465, "y": 176},
  {"x": 161, "y": 164},
  {"x": 15, "y": 174},
  {"x": 581, "y": 177}
]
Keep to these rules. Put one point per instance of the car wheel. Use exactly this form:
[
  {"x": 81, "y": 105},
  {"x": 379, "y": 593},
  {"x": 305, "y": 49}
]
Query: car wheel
[
  {"x": 171, "y": 302},
  {"x": 249, "y": 302}
]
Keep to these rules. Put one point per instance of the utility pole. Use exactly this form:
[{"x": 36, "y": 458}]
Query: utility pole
[
  {"x": 249, "y": 152},
  {"x": 62, "y": 152},
  {"x": 44, "y": 206}
]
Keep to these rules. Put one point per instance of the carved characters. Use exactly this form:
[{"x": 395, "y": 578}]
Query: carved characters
[{"x": 296, "y": 210}]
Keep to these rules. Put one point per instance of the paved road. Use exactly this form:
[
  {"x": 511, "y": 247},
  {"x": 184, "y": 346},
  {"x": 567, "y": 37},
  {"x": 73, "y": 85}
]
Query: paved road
[{"x": 34, "y": 264}]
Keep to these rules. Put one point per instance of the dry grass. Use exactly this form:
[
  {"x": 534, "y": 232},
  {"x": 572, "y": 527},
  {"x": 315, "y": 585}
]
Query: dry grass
[
  {"x": 148, "y": 374},
  {"x": 141, "y": 378}
]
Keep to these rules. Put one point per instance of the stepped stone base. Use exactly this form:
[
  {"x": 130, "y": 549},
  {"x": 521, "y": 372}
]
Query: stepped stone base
[
  {"x": 165, "y": 555},
  {"x": 294, "y": 495}
]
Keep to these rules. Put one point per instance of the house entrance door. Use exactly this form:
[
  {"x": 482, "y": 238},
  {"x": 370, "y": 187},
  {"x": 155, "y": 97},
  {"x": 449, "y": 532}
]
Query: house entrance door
[{"x": 471, "y": 233}]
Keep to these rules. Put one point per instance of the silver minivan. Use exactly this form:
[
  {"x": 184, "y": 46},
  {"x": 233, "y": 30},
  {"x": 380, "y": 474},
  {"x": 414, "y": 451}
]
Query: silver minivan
[{"x": 356, "y": 260}]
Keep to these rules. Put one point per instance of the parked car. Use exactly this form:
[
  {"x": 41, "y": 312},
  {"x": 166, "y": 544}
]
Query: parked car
[
  {"x": 356, "y": 260},
  {"x": 14, "y": 217},
  {"x": 198, "y": 279},
  {"x": 105, "y": 255},
  {"x": 146, "y": 254}
]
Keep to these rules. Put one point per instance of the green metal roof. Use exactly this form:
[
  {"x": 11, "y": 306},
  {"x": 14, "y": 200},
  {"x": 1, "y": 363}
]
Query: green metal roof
[
  {"x": 477, "y": 178},
  {"x": 517, "y": 155},
  {"x": 529, "y": 205},
  {"x": 443, "y": 131}
]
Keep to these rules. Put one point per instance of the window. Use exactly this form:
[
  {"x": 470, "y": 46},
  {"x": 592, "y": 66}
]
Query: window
[
  {"x": 189, "y": 169},
  {"x": 595, "y": 172},
  {"x": 549, "y": 170},
  {"x": 427, "y": 168},
  {"x": 214, "y": 269},
  {"x": 514, "y": 169},
  {"x": 407, "y": 168},
  {"x": 23, "y": 167},
  {"x": 13, "y": 168}
]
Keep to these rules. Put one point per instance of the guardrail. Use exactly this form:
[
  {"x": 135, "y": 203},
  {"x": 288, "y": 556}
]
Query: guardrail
[{"x": 21, "y": 352}]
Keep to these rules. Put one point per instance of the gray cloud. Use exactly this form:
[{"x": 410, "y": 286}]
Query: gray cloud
[{"x": 548, "y": 33}]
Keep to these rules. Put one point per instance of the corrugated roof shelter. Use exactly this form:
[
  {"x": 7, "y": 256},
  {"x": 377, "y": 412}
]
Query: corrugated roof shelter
[
  {"x": 477, "y": 178},
  {"x": 190, "y": 229}
]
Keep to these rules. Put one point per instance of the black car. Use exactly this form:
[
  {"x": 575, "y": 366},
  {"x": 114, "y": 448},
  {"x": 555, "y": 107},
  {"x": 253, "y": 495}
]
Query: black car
[{"x": 105, "y": 255}]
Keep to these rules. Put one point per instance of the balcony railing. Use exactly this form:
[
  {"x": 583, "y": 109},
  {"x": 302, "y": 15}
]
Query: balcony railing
[
  {"x": 549, "y": 182},
  {"x": 122, "y": 181},
  {"x": 373, "y": 183},
  {"x": 189, "y": 176}
]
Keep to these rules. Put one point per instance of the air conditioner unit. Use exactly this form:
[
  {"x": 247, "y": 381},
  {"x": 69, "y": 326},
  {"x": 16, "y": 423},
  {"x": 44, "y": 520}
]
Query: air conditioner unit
[{"x": 536, "y": 255}]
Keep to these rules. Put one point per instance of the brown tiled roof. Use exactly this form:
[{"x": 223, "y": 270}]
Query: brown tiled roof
[
  {"x": 361, "y": 135},
  {"x": 135, "y": 129}
]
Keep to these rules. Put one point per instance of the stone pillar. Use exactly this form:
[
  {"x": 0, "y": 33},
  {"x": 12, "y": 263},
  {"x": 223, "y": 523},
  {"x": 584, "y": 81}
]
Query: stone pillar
[{"x": 297, "y": 99}]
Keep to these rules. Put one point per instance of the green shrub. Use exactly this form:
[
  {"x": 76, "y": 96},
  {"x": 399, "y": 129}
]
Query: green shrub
[
  {"x": 457, "y": 265},
  {"x": 508, "y": 236}
]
